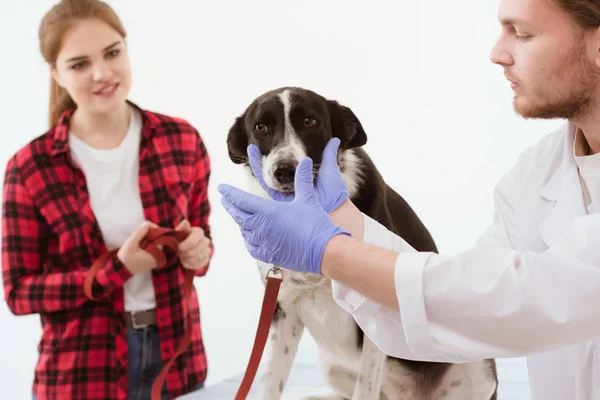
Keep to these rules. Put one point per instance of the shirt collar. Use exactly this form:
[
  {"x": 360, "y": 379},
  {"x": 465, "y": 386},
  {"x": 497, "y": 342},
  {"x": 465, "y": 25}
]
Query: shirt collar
[{"x": 60, "y": 134}]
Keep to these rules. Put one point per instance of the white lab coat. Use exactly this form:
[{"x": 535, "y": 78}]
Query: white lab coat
[{"x": 529, "y": 287}]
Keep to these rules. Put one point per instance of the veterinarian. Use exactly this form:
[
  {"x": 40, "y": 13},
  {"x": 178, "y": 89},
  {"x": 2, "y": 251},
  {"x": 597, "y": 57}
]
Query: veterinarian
[
  {"x": 103, "y": 173},
  {"x": 531, "y": 284}
]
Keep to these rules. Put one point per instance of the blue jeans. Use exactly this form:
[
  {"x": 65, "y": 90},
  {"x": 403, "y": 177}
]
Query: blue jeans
[{"x": 145, "y": 363}]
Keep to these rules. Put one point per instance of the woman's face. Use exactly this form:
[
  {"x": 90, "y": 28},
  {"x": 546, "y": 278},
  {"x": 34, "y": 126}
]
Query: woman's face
[{"x": 93, "y": 67}]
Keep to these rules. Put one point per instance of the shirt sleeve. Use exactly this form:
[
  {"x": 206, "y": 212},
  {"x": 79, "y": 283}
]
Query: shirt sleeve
[
  {"x": 199, "y": 206},
  {"x": 487, "y": 302},
  {"x": 383, "y": 325},
  {"x": 28, "y": 288}
]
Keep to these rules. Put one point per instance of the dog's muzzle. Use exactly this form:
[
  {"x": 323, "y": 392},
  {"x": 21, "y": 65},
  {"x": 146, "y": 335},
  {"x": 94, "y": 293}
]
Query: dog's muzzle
[{"x": 284, "y": 173}]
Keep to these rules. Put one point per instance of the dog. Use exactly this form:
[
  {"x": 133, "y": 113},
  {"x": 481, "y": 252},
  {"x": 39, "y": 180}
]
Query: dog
[{"x": 288, "y": 124}]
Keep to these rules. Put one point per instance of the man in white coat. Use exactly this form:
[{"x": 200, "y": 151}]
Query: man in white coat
[{"x": 531, "y": 285}]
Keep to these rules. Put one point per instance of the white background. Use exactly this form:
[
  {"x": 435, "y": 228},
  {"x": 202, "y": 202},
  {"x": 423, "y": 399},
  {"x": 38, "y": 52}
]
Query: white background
[{"x": 437, "y": 112}]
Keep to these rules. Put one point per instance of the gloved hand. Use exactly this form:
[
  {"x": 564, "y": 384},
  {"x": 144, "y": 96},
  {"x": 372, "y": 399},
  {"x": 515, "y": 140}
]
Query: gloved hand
[
  {"x": 331, "y": 190},
  {"x": 290, "y": 234}
]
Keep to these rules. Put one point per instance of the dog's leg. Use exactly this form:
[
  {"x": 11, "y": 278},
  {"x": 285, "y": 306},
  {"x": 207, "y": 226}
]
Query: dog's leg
[
  {"x": 339, "y": 378},
  {"x": 284, "y": 336},
  {"x": 469, "y": 381},
  {"x": 370, "y": 373}
]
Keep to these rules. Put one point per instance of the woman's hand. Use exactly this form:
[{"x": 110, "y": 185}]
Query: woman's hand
[
  {"x": 194, "y": 251},
  {"x": 135, "y": 258}
]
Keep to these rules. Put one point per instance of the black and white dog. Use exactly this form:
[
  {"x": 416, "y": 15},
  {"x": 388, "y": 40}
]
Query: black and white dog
[{"x": 288, "y": 124}]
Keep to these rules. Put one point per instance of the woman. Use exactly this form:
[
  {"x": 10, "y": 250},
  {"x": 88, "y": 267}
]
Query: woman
[{"x": 104, "y": 172}]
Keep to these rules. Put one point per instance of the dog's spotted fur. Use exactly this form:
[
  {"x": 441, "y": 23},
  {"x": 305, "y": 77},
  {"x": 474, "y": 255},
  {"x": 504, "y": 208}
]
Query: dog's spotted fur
[{"x": 288, "y": 124}]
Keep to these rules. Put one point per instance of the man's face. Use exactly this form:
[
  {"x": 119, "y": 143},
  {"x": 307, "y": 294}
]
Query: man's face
[{"x": 547, "y": 58}]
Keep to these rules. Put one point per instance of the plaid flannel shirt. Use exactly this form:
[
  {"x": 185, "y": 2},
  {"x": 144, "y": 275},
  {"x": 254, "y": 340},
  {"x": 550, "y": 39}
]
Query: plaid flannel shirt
[{"x": 50, "y": 238}]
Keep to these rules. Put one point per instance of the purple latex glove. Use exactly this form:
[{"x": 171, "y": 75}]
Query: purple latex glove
[
  {"x": 271, "y": 229},
  {"x": 331, "y": 190}
]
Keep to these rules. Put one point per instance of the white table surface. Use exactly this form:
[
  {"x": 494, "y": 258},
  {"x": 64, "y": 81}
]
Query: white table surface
[{"x": 305, "y": 380}]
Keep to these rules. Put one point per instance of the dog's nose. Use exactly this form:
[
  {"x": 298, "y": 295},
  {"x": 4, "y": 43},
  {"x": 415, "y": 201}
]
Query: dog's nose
[{"x": 285, "y": 173}]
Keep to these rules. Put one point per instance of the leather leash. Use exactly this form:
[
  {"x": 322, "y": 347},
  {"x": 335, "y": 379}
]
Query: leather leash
[
  {"x": 170, "y": 238},
  {"x": 273, "y": 281}
]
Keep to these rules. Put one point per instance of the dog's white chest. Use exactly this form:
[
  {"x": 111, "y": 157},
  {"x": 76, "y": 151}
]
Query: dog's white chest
[{"x": 332, "y": 328}]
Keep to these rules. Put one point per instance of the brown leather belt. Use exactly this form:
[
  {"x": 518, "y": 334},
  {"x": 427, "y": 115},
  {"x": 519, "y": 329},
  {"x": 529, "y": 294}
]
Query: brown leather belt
[
  {"x": 140, "y": 319},
  {"x": 170, "y": 238}
]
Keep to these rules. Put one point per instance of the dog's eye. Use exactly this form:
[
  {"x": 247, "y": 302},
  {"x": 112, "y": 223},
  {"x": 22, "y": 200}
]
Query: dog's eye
[
  {"x": 309, "y": 122},
  {"x": 260, "y": 128}
]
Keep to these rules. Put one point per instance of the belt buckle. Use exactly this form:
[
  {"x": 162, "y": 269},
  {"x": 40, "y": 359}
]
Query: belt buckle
[{"x": 134, "y": 324}]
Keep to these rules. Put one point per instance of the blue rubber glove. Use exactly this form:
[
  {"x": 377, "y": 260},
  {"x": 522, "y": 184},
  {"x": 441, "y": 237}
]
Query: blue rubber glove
[
  {"x": 331, "y": 190},
  {"x": 290, "y": 234}
]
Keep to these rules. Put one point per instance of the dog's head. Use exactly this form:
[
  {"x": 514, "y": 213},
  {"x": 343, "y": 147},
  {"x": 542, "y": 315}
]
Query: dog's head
[{"x": 288, "y": 124}]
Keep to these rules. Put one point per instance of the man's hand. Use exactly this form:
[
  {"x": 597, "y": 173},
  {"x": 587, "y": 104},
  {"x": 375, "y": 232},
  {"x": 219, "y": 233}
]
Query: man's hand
[
  {"x": 349, "y": 217},
  {"x": 255, "y": 160},
  {"x": 290, "y": 234},
  {"x": 330, "y": 188},
  {"x": 194, "y": 251}
]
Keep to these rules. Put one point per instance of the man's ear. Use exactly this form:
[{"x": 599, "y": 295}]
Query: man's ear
[
  {"x": 346, "y": 126},
  {"x": 594, "y": 46},
  {"x": 237, "y": 142}
]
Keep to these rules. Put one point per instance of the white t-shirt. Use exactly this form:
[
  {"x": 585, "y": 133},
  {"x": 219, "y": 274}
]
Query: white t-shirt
[
  {"x": 112, "y": 181},
  {"x": 589, "y": 168}
]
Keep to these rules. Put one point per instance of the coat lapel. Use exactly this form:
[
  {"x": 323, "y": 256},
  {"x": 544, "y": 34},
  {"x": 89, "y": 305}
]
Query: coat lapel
[{"x": 565, "y": 191}]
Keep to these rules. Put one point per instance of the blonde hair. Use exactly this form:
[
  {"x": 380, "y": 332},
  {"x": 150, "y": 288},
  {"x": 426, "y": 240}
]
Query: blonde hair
[
  {"x": 586, "y": 13},
  {"x": 53, "y": 26}
]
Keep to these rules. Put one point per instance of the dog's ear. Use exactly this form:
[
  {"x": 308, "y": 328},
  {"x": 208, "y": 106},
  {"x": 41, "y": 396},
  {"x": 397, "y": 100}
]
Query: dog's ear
[
  {"x": 346, "y": 126},
  {"x": 237, "y": 141}
]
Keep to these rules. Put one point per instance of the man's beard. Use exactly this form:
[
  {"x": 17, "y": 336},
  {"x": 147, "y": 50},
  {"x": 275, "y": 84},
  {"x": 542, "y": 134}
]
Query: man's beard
[{"x": 571, "y": 96}]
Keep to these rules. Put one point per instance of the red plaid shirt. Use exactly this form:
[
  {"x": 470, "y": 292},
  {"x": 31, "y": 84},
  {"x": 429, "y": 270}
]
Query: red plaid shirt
[{"x": 50, "y": 238}]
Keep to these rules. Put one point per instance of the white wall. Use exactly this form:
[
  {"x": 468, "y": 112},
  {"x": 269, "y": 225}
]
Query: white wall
[{"x": 438, "y": 115}]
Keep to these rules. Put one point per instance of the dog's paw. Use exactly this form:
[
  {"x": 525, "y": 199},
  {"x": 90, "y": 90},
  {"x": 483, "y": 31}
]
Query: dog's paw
[{"x": 330, "y": 397}]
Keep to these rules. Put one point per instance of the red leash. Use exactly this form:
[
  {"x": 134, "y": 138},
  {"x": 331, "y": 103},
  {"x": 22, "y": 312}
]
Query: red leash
[
  {"x": 273, "y": 279},
  {"x": 170, "y": 238}
]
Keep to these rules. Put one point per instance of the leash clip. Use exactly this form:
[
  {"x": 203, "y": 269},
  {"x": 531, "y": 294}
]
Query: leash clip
[{"x": 274, "y": 272}]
